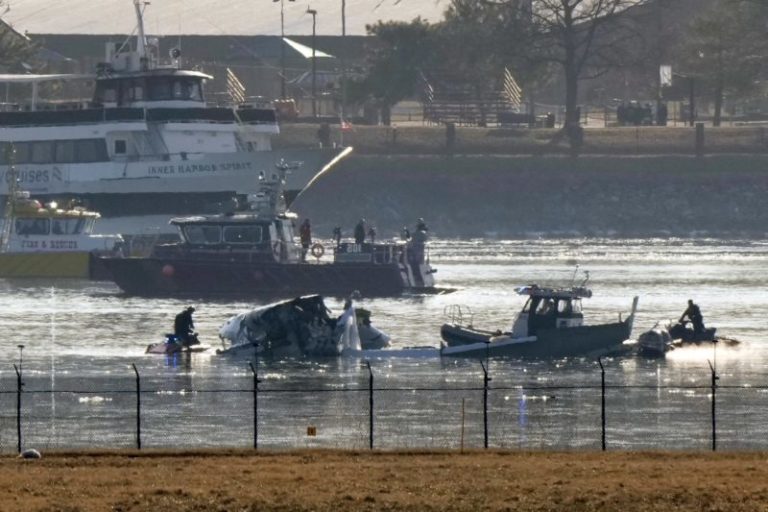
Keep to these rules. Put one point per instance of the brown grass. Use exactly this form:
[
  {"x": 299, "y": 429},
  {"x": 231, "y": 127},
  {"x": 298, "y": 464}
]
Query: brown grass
[
  {"x": 352, "y": 481},
  {"x": 421, "y": 139}
]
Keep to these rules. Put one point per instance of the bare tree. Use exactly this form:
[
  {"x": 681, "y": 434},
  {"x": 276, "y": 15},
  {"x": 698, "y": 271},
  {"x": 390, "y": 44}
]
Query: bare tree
[{"x": 585, "y": 38}]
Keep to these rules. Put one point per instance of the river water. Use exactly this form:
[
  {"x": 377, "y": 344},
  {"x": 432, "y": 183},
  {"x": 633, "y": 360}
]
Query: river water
[{"x": 81, "y": 340}]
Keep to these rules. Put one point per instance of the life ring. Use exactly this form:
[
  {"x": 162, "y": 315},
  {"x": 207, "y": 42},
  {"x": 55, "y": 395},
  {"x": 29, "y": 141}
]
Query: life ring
[
  {"x": 276, "y": 250},
  {"x": 317, "y": 251}
]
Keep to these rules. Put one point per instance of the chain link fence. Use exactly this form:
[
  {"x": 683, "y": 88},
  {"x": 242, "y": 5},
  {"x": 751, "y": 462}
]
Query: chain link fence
[{"x": 368, "y": 408}]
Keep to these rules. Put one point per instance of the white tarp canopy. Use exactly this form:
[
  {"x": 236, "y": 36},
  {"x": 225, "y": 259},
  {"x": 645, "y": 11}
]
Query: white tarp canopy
[{"x": 306, "y": 51}]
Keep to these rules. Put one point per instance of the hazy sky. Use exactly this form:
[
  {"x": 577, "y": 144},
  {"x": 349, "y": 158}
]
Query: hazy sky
[{"x": 211, "y": 17}]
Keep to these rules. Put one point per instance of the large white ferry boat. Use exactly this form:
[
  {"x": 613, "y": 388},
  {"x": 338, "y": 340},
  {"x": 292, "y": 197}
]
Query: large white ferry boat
[{"x": 147, "y": 143}]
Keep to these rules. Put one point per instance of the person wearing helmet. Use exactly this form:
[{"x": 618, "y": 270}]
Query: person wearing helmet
[{"x": 184, "y": 328}]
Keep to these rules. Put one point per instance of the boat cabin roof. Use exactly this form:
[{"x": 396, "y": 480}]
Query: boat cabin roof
[
  {"x": 576, "y": 292},
  {"x": 233, "y": 218},
  {"x": 157, "y": 72}
]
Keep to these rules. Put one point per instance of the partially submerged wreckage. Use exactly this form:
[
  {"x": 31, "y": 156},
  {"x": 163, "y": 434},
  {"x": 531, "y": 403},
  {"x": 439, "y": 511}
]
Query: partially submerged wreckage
[{"x": 301, "y": 327}]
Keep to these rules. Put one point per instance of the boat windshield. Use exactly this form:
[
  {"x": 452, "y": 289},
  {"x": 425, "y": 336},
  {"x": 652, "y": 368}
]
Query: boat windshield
[
  {"x": 68, "y": 226},
  {"x": 29, "y": 226},
  {"x": 202, "y": 234},
  {"x": 242, "y": 234}
]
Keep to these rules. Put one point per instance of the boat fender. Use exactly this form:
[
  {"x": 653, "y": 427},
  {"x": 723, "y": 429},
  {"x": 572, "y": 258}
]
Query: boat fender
[
  {"x": 317, "y": 251},
  {"x": 276, "y": 249},
  {"x": 168, "y": 270}
]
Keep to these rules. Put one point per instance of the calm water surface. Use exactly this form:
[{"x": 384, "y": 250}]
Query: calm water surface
[{"x": 82, "y": 336}]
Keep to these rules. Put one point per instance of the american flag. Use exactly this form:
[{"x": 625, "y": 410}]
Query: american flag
[{"x": 512, "y": 91}]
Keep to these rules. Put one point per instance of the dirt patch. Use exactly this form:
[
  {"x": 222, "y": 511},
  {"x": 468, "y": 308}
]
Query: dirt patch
[{"x": 347, "y": 481}]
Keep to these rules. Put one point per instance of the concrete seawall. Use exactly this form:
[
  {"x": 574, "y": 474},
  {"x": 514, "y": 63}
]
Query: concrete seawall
[{"x": 724, "y": 195}]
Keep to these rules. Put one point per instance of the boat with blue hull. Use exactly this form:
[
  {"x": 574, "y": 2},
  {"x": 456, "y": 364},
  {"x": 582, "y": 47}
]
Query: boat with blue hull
[{"x": 551, "y": 324}]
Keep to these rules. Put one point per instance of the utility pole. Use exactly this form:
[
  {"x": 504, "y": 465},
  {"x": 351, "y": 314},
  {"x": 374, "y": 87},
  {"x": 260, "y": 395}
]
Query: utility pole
[
  {"x": 282, "y": 47},
  {"x": 343, "y": 71},
  {"x": 313, "y": 12}
]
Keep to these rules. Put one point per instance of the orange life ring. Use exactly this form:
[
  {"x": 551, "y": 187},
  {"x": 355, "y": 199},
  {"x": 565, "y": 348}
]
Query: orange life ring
[{"x": 317, "y": 251}]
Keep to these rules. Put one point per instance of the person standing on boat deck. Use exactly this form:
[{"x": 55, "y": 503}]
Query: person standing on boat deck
[
  {"x": 184, "y": 327},
  {"x": 406, "y": 234},
  {"x": 360, "y": 232},
  {"x": 305, "y": 235},
  {"x": 372, "y": 234},
  {"x": 693, "y": 313},
  {"x": 418, "y": 242},
  {"x": 337, "y": 235}
]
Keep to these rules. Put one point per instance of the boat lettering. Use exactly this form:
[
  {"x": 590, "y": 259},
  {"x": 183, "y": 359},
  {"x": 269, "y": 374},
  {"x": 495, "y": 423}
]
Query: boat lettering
[
  {"x": 154, "y": 170},
  {"x": 63, "y": 244},
  {"x": 34, "y": 176},
  {"x": 53, "y": 244}
]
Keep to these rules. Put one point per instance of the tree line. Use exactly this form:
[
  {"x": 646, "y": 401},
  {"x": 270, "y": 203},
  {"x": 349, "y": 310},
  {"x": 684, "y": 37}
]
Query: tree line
[{"x": 564, "y": 45}]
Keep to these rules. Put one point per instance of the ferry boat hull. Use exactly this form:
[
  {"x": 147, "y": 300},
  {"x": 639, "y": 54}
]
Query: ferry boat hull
[{"x": 172, "y": 277}]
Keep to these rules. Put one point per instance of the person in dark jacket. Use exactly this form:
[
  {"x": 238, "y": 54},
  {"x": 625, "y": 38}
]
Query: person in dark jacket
[
  {"x": 693, "y": 313},
  {"x": 184, "y": 328},
  {"x": 360, "y": 232},
  {"x": 305, "y": 235}
]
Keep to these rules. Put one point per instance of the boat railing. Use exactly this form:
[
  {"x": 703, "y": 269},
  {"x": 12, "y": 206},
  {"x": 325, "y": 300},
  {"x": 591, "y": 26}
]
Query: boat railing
[
  {"x": 135, "y": 114},
  {"x": 457, "y": 314}
]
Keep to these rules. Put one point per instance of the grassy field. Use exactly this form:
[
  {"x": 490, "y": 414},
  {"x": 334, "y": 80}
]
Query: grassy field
[
  {"x": 407, "y": 481},
  {"x": 419, "y": 139}
]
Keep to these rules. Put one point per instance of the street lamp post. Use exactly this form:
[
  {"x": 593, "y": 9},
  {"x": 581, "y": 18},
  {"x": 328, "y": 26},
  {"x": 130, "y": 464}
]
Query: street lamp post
[
  {"x": 343, "y": 70},
  {"x": 282, "y": 47},
  {"x": 313, "y": 12}
]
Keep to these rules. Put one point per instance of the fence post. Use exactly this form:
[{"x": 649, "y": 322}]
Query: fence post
[
  {"x": 255, "y": 407},
  {"x": 19, "y": 385},
  {"x": 602, "y": 401},
  {"x": 714, "y": 409},
  {"x": 370, "y": 405},
  {"x": 138, "y": 406},
  {"x": 486, "y": 380}
]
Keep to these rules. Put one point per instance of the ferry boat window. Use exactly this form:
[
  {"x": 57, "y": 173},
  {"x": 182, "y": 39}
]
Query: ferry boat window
[
  {"x": 202, "y": 234},
  {"x": 65, "y": 151},
  {"x": 564, "y": 307},
  {"x": 109, "y": 95},
  {"x": 121, "y": 147},
  {"x": 91, "y": 150},
  {"x": 27, "y": 226},
  {"x": 159, "y": 89},
  {"x": 42, "y": 152},
  {"x": 242, "y": 234},
  {"x": 67, "y": 226},
  {"x": 22, "y": 152}
]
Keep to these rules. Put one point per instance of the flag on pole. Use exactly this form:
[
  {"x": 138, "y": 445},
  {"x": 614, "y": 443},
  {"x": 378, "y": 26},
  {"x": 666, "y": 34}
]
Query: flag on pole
[
  {"x": 512, "y": 91},
  {"x": 235, "y": 87}
]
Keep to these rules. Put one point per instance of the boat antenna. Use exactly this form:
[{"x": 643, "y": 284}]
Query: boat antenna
[
  {"x": 573, "y": 278},
  {"x": 141, "y": 38},
  {"x": 12, "y": 181}
]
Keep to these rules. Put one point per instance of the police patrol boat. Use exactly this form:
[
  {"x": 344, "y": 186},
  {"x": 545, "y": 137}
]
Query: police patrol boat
[
  {"x": 251, "y": 250},
  {"x": 50, "y": 241},
  {"x": 551, "y": 324},
  {"x": 146, "y": 143}
]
